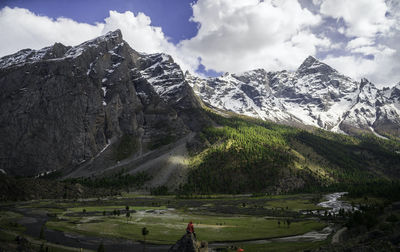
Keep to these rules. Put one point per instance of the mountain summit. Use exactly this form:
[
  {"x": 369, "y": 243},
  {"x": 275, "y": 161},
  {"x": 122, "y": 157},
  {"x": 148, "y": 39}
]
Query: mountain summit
[
  {"x": 65, "y": 107},
  {"x": 315, "y": 95},
  {"x": 311, "y": 66}
]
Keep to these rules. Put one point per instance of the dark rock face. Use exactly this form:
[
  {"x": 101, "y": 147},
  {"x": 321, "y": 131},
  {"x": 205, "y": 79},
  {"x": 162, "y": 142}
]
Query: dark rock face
[
  {"x": 188, "y": 243},
  {"x": 63, "y": 105}
]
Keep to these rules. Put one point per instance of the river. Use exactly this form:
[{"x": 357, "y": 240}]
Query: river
[{"x": 333, "y": 204}]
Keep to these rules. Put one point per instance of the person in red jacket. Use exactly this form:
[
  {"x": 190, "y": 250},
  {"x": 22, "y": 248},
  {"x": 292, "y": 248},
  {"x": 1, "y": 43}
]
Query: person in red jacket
[{"x": 190, "y": 229}]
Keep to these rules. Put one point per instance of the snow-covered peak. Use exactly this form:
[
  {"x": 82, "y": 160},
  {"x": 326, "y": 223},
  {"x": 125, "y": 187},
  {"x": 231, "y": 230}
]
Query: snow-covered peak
[
  {"x": 253, "y": 76},
  {"x": 367, "y": 87},
  {"x": 365, "y": 82},
  {"x": 163, "y": 74},
  {"x": 112, "y": 36},
  {"x": 395, "y": 93},
  {"x": 368, "y": 92},
  {"x": 31, "y": 56},
  {"x": 156, "y": 58},
  {"x": 311, "y": 66},
  {"x": 316, "y": 95},
  {"x": 397, "y": 87},
  {"x": 58, "y": 51},
  {"x": 111, "y": 40},
  {"x": 309, "y": 61}
]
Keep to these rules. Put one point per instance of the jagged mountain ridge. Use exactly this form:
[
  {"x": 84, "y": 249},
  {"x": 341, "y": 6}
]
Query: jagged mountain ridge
[
  {"x": 63, "y": 106},
  {"x": 315, "y": 95}
]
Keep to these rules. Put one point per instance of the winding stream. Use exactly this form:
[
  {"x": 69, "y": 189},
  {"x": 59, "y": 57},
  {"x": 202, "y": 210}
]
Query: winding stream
[{"x": 334, "y": 204}]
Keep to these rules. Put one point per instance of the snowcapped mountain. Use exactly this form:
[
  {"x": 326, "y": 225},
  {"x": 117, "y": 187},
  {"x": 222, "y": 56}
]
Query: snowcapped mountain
[
  {"x": 315, "y": 95},
  {"x": 66, "y": 107},
  {"x": 63, "y": 106}
]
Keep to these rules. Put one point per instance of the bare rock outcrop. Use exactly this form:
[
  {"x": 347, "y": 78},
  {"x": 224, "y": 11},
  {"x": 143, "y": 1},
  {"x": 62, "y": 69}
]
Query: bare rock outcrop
[{"x": 188, "y": 243}]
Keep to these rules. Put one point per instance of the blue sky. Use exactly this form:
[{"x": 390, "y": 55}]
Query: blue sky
[
  {"x": 208, "y": 37},
  {"x": 172, "y": 15}
]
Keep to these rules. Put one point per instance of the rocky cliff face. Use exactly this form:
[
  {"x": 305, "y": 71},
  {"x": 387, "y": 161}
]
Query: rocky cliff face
[
  {"x": 61, "y": 106},
  {"x": 315, "y": 95}
]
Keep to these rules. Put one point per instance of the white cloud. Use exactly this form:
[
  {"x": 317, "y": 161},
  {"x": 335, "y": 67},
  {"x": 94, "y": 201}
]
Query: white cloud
[
  {"x": 364, "y": 18},
  {"x": 394, "y": 12},
  {"x": 137, "y": 31},
  {"x": 355, "y": 67},
  {"x": 367, "y": 46},
  {"x": 238, "y": 35},
  {"x": 370, "y": 24},
  {"x": 359, "y": 42},
  {"x": 21, "y": 29},
  {"x": 373, "y": 50},
  {"x": 383, "y": 69}
]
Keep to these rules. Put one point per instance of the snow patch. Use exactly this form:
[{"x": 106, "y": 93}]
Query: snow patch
[
  {"x": 104, "y": 91},
  {"x": 376, "y": 134},
  {"x": 104, "y": 148}
]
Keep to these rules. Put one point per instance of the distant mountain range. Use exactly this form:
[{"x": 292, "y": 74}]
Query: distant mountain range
[
  {"x": 88, "y": 107},
  {"x": 315, "y": 95}
]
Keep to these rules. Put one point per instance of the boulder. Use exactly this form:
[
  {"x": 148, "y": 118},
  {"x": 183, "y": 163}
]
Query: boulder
[{"x": 188, "y": 243}]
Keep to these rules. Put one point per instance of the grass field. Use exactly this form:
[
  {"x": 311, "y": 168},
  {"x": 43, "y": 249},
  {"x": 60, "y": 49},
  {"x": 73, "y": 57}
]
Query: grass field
[
  {"x": 169, "y": 225},
  {"x": 294, "y": 204},
  {"x": 8, "y": 221},
  {"x": 216, "y": 218},
  {"x": 111, "y": 208}
]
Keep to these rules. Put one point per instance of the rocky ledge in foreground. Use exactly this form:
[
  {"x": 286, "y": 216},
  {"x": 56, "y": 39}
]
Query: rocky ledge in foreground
[{"x": 188, "y": 243}]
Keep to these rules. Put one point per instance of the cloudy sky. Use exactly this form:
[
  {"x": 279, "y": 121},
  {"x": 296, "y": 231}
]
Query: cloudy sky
[{"x": 357, "y": 37}]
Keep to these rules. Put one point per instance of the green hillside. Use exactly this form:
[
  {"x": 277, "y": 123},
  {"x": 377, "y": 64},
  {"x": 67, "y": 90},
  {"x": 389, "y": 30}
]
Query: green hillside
[{"x": 249, "y": 155}]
